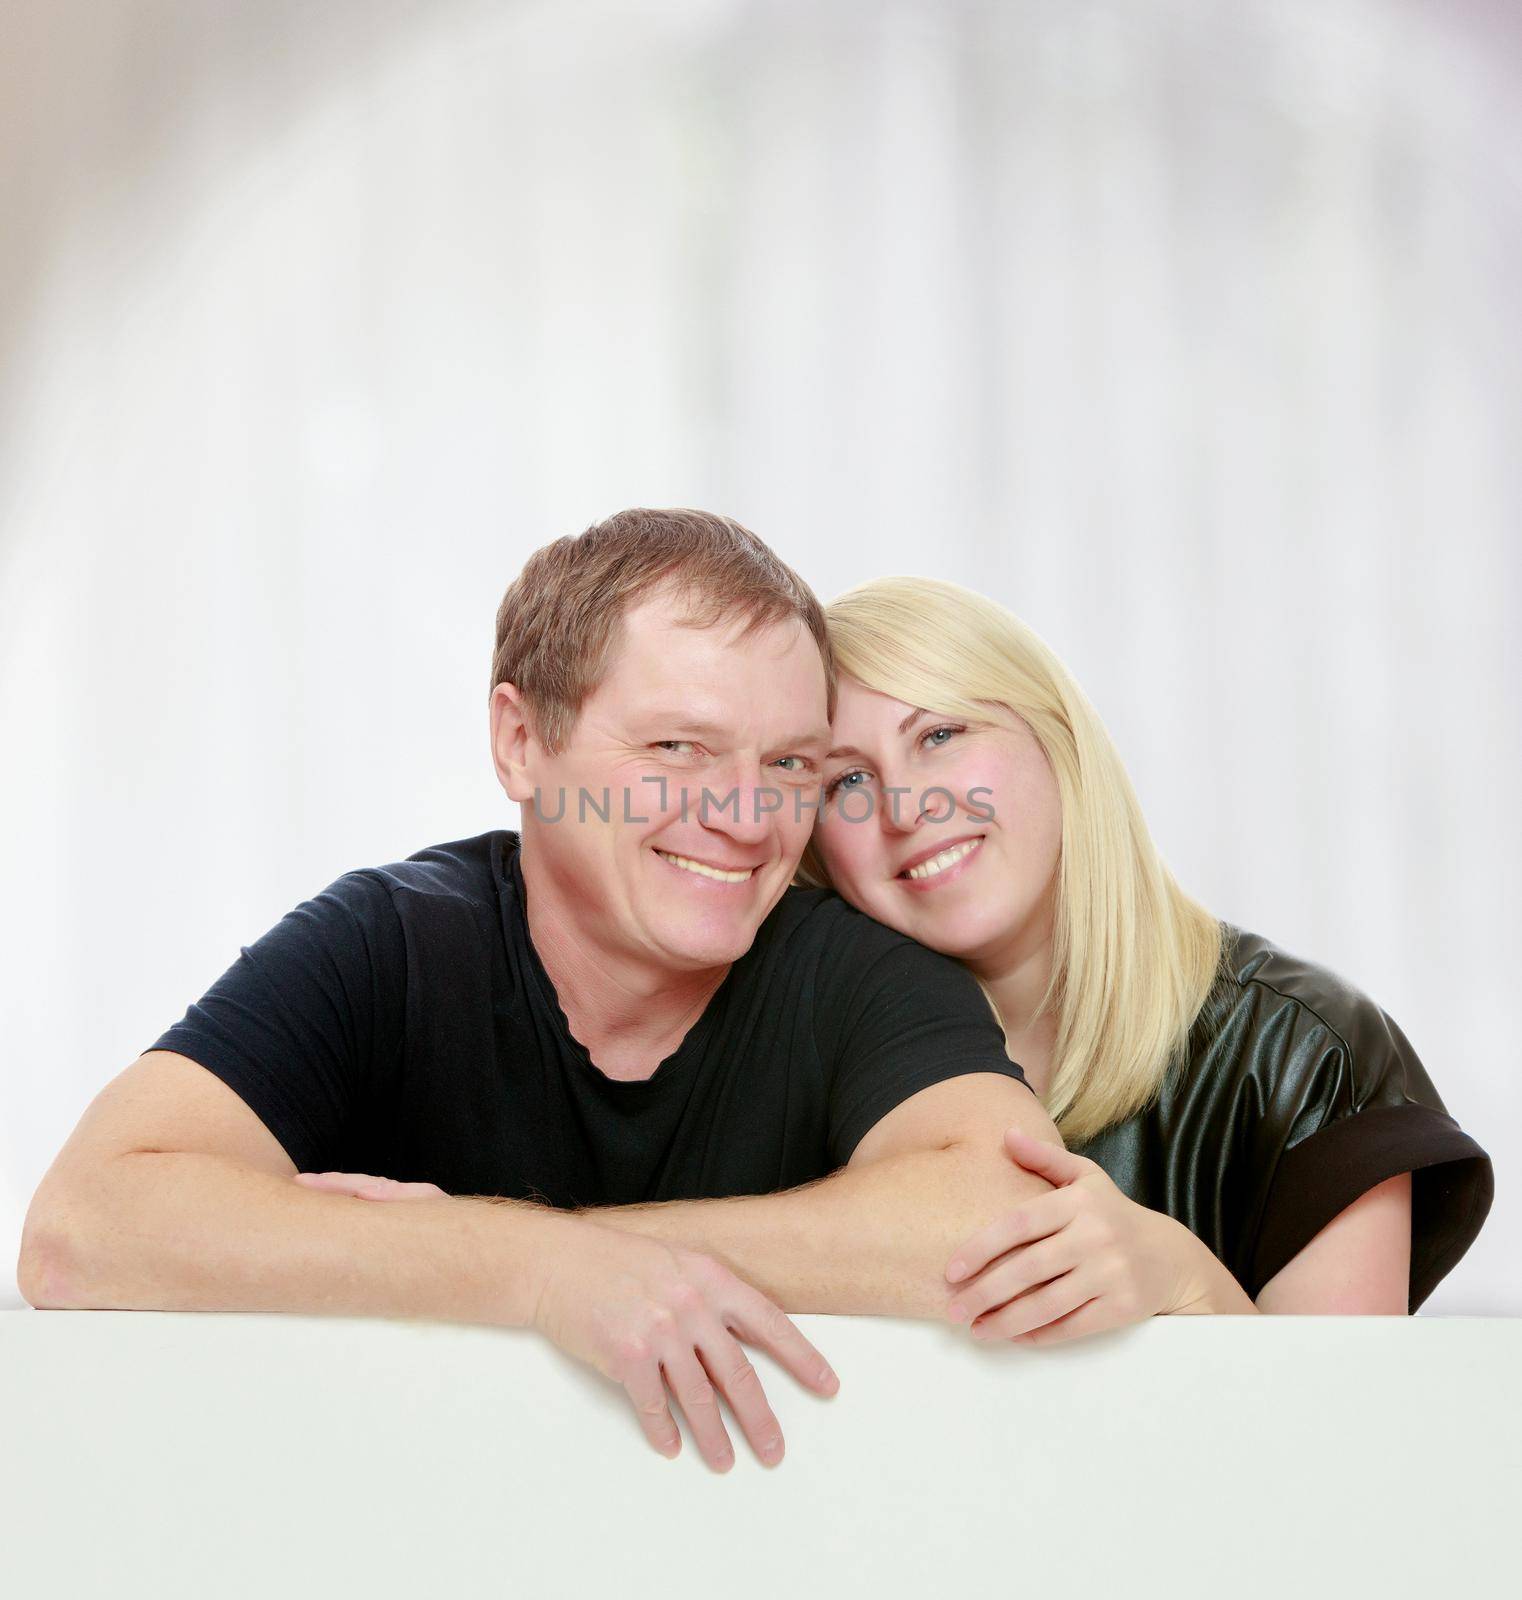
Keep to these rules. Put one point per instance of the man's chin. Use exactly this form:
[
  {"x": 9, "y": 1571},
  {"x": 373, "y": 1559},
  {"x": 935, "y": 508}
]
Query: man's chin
[
  {"x": 697, "y": 949},
  {"x": 694, "y": 933}
]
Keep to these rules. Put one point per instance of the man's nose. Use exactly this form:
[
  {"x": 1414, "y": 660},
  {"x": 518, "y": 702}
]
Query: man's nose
[{"x": 746, "y": 805}]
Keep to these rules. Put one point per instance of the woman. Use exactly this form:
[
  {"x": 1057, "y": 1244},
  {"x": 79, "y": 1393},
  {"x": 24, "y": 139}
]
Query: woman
[{"x": 1223, "y": 1102}]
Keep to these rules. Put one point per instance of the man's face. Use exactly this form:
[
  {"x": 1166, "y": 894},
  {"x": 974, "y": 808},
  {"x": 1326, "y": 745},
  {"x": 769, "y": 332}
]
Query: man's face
[{"x": 674, "y": 878}]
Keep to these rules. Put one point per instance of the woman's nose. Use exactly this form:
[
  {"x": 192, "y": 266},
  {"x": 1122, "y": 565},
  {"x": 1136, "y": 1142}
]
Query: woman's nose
[{"x": 898, "y": 807}]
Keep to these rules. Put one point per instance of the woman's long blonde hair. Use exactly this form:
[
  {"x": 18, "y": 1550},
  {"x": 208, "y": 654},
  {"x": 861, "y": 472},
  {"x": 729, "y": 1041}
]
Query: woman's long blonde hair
[{"x": 1133, "y": 957}]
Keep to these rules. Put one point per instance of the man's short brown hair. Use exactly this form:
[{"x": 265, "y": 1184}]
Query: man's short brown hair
[{"x": 559, "y": 620}]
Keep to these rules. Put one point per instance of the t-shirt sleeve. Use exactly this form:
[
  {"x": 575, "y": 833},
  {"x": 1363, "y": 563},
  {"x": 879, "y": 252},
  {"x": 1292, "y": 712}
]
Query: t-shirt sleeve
[
  {"x": 295, "y": 1022},
  {"x": 1366, "y": 1112},
  {"x": 900, "y": 1019}
]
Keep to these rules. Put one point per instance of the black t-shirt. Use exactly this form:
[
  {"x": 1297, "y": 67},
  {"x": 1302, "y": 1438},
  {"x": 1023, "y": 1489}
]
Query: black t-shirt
[
  {"x": 401, "y": 1023},
  {"x": 1298, "y": 1095}
]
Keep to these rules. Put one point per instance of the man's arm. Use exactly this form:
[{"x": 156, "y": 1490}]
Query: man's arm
[
  {"x": 172, "y": 1195},
  {"x": 875, "y": 1236}
]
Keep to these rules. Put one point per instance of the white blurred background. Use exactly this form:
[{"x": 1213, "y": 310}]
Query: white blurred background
[{"x": 1188, "y": 330}]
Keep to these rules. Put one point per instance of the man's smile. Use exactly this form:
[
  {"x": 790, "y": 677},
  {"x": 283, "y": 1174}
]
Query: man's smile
[{"x": 706, "y": 869}]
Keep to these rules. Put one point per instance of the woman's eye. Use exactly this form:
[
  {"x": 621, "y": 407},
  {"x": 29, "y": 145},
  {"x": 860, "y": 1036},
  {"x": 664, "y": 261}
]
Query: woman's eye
[
  {"x": 843, "y": 779},
  {"x": 936, "y": 737}
]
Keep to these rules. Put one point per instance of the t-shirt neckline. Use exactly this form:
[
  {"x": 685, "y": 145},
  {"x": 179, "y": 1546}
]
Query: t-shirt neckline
[{"x": 678, "y": 1064}]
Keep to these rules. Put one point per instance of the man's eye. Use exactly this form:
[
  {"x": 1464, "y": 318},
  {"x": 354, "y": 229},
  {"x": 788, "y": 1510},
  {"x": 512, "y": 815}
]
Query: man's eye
[
  {"x": 799, "y": 763},
  {"x": 843, "y": 779},
  {"x": 677, "y": 746}
]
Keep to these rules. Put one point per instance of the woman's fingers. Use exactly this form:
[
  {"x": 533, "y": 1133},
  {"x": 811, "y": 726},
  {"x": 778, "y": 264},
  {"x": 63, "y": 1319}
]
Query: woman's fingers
[
  {"x": 1014, "y": 1274},
  {"x": 699, "y": 1400},
  {"x": 1098, "y": 1316},
  {"x": 1033, "y": 1219},
  {"x": 738, "y": 1381},
  {"x": 1044, "y": 1157},
  {"x": 1036, "y": 1309}
]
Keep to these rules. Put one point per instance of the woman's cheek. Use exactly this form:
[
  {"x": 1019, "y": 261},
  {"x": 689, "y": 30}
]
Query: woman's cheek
[
  {"x": 982, "y": 788},
  {"x": 827, "y": 842},
  {"x": 978, "y": 784},
  {"x": 844, "y": 848}
]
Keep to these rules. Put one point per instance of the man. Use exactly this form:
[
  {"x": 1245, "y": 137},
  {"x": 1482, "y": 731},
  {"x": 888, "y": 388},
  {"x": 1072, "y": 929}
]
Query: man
[{"x": 607, "y": 1045}]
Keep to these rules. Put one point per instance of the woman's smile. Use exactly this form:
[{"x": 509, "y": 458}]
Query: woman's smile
[{"x": 932, "y": 868}]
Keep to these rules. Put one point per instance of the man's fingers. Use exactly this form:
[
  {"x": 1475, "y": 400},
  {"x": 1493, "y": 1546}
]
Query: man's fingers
[
  {"x": 366, "y": 1186},
  {"x": 648, "y": 1394},
  {"x": 740, "y": 1384},
  {"x": 359, "y": 1185},
  {"x": 340, "y": 1182},
  {"x": 699, "y": 1400},
  {"x": 1014, "y": 1274},
  {"x": 767, "y": 1326},
  {"x": 1029, "y": 1221}
]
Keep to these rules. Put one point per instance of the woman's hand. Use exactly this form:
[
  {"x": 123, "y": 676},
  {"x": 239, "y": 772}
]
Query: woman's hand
[{"x": 1079, "y": 1259}]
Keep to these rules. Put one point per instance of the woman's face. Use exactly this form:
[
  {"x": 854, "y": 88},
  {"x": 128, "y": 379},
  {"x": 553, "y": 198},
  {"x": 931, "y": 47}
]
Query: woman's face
[{"x": 947, "y": 830}]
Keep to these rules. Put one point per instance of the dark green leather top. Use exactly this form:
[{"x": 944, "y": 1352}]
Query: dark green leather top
[{"x": 1298, "y": 1095}]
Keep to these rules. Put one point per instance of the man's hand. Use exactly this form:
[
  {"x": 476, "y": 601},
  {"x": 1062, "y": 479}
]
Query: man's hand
[
  {"x": 653, "y": 1318},
  {"x": 365, "y": 1187}
]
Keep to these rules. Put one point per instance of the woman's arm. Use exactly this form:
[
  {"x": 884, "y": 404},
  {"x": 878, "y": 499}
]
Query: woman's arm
[
  {"x": 1359, "y": 1264},
  {"x": 1085, "y": 1258}
]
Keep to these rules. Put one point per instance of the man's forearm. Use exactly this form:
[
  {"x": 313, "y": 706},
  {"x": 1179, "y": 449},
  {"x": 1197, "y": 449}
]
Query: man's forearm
[
  {"x": 870, "y": 1239},
  {"x": 168, "y": 1231}
]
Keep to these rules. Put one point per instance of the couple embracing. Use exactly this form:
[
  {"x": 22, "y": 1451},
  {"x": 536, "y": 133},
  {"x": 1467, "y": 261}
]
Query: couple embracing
[{"x": 832, "y": 970}]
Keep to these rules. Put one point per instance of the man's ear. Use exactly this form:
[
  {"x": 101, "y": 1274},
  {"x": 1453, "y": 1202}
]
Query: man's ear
[{"x": 513, "y": 742}]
